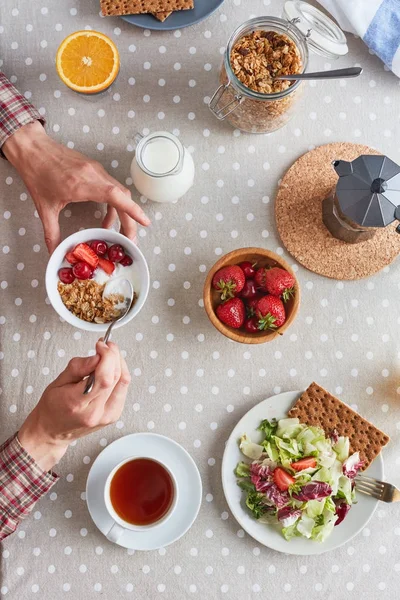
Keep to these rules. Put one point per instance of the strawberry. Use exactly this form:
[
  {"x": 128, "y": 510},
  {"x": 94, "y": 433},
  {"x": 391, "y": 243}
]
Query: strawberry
[
  {"x": 69, "y": 257},
  {"x": 279, "y": 282},
  {"x": 106, "y": 265},
  {"x": 270, "y": 312},
  {"x": 308, "y": 462},
  {"x": 85, "y": 253},
  {"x": 282, "y": 479},
  {"x": 232, "y": 312},
  {"x": 229, "y": 281}
]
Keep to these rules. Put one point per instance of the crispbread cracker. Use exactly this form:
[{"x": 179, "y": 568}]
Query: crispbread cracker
[
  {"x": 134, "y": 7},
  {"x": 162, "y": 16},
  {"x": 318, "y": 407}
]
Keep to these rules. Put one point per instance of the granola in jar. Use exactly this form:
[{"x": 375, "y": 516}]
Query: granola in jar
[
  {"x": 249, "y": 97},
  {"x": 260, "y": 56}
]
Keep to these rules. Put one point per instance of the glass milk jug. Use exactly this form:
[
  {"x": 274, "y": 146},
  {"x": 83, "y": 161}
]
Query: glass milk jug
[{"x": 162, "y": 169}]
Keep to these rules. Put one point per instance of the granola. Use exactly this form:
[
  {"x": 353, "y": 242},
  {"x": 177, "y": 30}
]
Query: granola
[
  {"x": 255, "y": 59},
  {"x": 262, "y": 55},
  {"x": 84, "y": 298}
]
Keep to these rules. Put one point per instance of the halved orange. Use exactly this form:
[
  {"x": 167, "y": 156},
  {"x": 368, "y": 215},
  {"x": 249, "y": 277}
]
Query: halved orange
[{"x": 87, "y": 61}]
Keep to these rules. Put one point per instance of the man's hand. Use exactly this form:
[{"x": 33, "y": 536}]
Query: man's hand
[
  {"x": 64, "y": 414},
  {"x": 55, "y": 176}
]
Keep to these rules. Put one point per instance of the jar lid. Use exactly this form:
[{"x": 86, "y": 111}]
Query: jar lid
[{"x": 323, "y": 35}]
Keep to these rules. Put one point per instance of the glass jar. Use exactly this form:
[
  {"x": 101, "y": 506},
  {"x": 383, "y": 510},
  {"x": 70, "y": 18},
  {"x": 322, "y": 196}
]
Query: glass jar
[{"x": 255, "y": 112}]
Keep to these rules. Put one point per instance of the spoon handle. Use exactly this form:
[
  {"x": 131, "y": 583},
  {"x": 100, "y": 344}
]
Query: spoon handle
[
  {"x": 91, "y": 379},
  {"x": 335, "y": 74}
]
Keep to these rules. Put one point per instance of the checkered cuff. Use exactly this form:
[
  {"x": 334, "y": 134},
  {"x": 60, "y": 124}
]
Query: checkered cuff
[
  {"x": 15, "y": 111},
  {"x": 22, "y": 483}
]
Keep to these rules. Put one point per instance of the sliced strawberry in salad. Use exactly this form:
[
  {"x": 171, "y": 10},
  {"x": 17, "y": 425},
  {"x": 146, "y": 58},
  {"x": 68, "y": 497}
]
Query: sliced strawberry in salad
[
  {"x": 283, "y": 479},
  {"x": 308, "y": 462}
]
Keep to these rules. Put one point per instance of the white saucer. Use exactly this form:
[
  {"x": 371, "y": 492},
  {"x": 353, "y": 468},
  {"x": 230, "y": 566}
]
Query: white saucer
[{"x": 176, "y": 459}]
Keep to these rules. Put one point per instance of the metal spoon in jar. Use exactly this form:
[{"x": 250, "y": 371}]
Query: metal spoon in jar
[
  {"x": 124, "y": 288},
  {"x": 335, "y": 74}
]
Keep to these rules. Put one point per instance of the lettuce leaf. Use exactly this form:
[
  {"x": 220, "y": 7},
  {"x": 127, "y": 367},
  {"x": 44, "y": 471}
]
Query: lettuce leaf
[
  {"x": 342, "y": 448},
  {"x": 254, "y": 502},
  {"x": 249, "y": 448},
  {"x": 242, "y": 470},
  {"x": 290, "y": 532},
  {"x": 288, "y": 428},
  {"x": 315, "y": 508},
  {"x": 272, "y": 451},
  {"x": 246, "y": 485},
  {"x": 305, "y": 526},
  {"x": 345, "y": 488},
  {"x": 268, "y": 428}
]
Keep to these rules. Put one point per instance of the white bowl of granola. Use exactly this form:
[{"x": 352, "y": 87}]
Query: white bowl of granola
[{"x": 75, "y": 282}]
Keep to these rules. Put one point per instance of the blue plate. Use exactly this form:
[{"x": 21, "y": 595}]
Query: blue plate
[{"x": 181, "y": 18}]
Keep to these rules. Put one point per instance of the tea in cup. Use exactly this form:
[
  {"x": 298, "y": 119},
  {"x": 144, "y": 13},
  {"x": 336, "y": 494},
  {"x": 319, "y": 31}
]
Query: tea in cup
[{"x": 140, "y": 493}]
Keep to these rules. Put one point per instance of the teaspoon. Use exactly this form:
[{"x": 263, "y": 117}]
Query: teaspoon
[
  {"x": 129, "y": 297},
  {"x": 335, "y": 74}
]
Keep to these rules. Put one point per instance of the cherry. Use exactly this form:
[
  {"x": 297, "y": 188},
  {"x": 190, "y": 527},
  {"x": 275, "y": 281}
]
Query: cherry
[
  {"x": 82, "y": 270},
  {"x": 66, "y": 275},
  {"x": 251, "y": 325},
  {"x": 249, "y": 289},
  {"x": 99, "y": 247},
  {"x": 126, "y": 261},
  {"x": 247, "y": 268},
  {"x": 116, "y": 253}
]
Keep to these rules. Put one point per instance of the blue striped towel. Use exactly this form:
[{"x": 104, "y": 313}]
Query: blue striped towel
[{"x": 377, "y": 22}]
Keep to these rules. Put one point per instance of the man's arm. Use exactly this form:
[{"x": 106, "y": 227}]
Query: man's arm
[
  {"x": 15, "y": 111},
  {"x": 22, "y": 483},
  {"x": 62, "y": 415}
]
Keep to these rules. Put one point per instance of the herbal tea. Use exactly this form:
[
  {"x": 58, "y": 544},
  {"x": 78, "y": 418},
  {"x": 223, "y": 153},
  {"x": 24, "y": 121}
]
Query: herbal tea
[{"x": 141, "y": 491}]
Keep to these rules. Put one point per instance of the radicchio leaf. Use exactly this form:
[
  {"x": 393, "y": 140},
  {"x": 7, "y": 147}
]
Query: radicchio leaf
[
  {"x": 261, "y": 476},
  {"x": 275, "y": 496},
  {"x": 288, "y": 515},
  {"x": 315, "y": 490},
  {"x": 341, "y": 511},
  {"x": 334, "y": 436},
  {"x": 352, "y": 465}
]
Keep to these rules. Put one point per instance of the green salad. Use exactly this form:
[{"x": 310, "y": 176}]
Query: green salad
[{"x": 298, "y": 478}]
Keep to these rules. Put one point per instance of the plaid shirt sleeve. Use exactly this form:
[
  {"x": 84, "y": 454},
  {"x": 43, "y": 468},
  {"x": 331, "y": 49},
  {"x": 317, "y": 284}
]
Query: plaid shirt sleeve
[
  {"x": 22, "y": 483},
  {"x": 15, "y": 111}
]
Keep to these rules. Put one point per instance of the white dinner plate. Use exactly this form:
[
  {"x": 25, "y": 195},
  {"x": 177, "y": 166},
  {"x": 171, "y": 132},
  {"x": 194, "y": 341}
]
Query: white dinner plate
[
  {"x": 176, "y": 459},
  {"x": 269, "y": 535}
]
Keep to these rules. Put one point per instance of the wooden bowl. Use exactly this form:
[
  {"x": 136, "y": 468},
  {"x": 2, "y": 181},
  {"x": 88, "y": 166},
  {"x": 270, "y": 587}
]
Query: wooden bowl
[{"x": 212, "y": 299}]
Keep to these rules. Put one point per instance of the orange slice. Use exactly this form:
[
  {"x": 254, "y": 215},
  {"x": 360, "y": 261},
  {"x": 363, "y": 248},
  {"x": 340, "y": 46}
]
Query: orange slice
[{"x": 87, "y": 61}]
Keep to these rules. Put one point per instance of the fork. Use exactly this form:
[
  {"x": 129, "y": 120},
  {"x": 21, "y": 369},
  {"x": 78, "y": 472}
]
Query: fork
[{"x": 377, "y": 489}]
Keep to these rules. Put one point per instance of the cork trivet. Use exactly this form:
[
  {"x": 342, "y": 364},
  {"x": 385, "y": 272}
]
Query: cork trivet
[
  {"x": 298, "y": 212},
  {"x": 134, "y": 7},
  {"x": 162, "y": 16},
  {"x": 318, "y": 407}
]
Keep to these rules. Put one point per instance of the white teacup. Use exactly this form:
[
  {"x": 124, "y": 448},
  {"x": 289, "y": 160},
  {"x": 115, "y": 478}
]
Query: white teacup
[{"x": 120, "y": 525}]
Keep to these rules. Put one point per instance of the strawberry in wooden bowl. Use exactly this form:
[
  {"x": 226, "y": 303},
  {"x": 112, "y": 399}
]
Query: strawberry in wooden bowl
[{"x": 251, "y": 295}]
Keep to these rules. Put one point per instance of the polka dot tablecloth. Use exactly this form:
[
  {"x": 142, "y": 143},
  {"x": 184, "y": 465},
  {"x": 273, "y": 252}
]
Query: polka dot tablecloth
[{"x": 189, "y": 382}]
